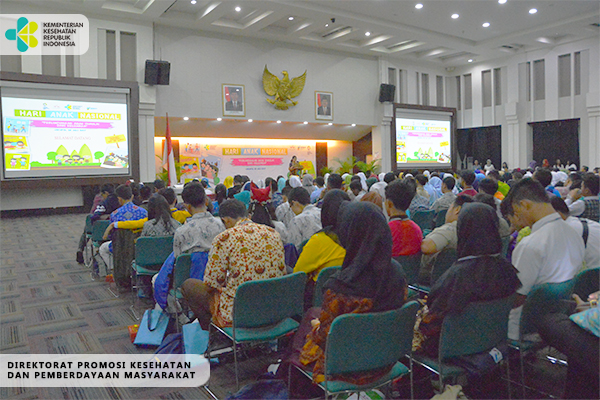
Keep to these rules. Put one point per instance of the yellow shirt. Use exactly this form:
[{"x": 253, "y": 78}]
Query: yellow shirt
[
  {"x": 321, "y": 251},
  {"x": 179, "y": 215}
]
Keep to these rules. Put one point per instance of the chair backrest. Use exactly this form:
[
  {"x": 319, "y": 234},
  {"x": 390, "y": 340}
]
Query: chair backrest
[
  {"x": 267, "y": 301},
  {"x": 98, "y": 230},
  {"x": 363, "y": 342},
  {"x": 181, "y": 271},
  {"x": 543, "y": 299},
  {"x": 480, "y": 327},
  {"x": 153, "y": 251},
  {"x": 440, "y": 218},
  {"x": 423, "y": 218},
  {"x": 88, "y": 224},
  {"x": 505, "y": 244},
  {"x": 587, "y": 282},
  {"x": 410, "y": 265},
  {"x": 442, "y": 263},
  {"x": 323, "y": 276}
]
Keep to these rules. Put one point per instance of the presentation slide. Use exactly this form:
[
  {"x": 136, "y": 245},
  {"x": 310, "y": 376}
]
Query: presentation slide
[
  {"x": 421, "y": 141},
  {"x": 55, "y": 138}
]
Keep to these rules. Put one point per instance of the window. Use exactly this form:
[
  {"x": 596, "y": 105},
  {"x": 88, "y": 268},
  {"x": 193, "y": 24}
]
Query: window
[
  {"x": 486, "y": 84},
  {"x": 111, "y": 55},
  {"x": 439, "y": 89},
  {"x": 577, "y": 73},
  {"x": 539, "y": 83},
  {"x": 564, "y": 75},
  {"x": 425, "y": 89},
  {"x": 128, "y": 56},
  {"x": 497, "y": 86},
  {"x": 468, "y": 92}
]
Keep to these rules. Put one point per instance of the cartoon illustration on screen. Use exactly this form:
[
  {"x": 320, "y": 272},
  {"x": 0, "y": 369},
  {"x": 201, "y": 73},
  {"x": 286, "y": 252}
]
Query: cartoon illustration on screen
[
  {"x": 16, "y": 126},
  {"x": 16, "y": 143}
]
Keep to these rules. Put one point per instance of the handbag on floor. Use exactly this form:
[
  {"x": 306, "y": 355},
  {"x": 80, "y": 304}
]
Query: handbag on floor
[{"x": 152, "y": 328}]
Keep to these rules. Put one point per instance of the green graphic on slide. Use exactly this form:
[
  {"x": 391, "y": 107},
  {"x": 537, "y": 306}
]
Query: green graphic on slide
[{"x": 62, "y": 157}]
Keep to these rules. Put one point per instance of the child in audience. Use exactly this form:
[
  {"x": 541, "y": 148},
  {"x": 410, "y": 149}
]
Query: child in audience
[
  {"x": 406, "y": 235},
  {"x": 307, "y": 220},
  {"x": 160, "y": 222}
]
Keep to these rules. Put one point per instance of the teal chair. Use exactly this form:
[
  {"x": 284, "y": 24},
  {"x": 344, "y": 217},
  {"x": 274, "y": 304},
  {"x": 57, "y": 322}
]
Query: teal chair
[
  {"x": 411, "y": 266},
  {"x": 442, "y": 263},
  {"x": 481, "y": 327},
  {"x": 541, "y": 300},
  {"x": 587, "y": 282},
  {"x": 264, "y": 310},
  {"x": 96, "y": 238},
  {"x": 440, "y": 218},
  {"x": 424, "y": 219},
  {"x": 364, "y": 342},
  {"x": 323, "y": 276},
  {"x": 150, "y": 254}
]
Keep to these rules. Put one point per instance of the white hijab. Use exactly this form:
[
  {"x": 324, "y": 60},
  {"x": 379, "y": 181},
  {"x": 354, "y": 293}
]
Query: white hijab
[
  {"x": 363, "y": 181},
  {"x": 295, "y": 181}
]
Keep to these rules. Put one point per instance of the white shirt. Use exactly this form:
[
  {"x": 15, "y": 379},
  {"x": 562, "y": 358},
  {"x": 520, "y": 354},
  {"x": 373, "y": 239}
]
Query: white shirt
[
  {"x": 552, "y": 253},
  {"x": 592, "y": 249},
  {"x": 284, "y": 213},
  {"x": 576, "y": 208},
  {"x": 282, "y": 230},
  {"x": 304, "y": 225}
]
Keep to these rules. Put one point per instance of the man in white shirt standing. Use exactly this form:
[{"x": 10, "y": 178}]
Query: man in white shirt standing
[
  {"x": 307, "y": 220},
  {"x": 552, "y": 253}
]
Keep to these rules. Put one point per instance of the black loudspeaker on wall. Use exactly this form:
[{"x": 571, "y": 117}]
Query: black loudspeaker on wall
[
  {"x": 157, "y": 72},
  {"x": 386, "y": 92}
]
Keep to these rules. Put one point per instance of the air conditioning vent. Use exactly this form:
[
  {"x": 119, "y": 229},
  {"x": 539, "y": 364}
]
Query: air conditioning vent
[{"x": 337, "y": 32}]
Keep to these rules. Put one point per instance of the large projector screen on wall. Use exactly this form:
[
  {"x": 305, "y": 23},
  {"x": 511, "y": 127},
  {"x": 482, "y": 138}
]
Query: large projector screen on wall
[
  {"x": 58, "y": 131},
  {"x": 423, "y": 138}
]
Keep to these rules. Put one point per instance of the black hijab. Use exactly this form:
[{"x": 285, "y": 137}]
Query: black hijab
[
  {"x": 480, "y": 274},
  {"x": 477, "y": 231},
  {"x": 368, "y": 270},
  {"x": 330, "y": 209}
]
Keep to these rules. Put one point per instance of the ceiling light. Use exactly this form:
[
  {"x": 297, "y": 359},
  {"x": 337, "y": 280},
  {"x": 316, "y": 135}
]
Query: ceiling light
[
  {"x": 353, "y": 124},
  {"x": 238, "y": 9},
  {"x": 533, "y": 11},
  {"x": 470, "y": 60},
  {"x": 219, "y": 119},
  {"x": 501, "y": 1},
  {"x": 454, "y": 16},
  {"x": 250, "y": 120},
  {"x": 331, "y": 123},
  {"x": 367, "y": 33},
  {"x": 278, "y": 121},
  {"x": 419, "y": 6},
  {"x": 305, "y": 122},
  {"x": 290, "y": 18},
  {"x": 186, "y": 118},
  {"x": 485, "y": 24},
  {"x": 193, "y": 2},
  {"x": 326, "y": 25}
]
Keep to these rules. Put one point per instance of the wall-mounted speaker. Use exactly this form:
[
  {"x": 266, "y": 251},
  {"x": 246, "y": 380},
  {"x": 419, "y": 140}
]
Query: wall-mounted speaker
[
  {"x": 157, "y": 72},
  {"x": 386, "y": 92}
]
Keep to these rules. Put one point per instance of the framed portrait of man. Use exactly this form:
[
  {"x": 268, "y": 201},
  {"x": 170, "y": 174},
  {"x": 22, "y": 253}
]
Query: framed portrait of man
[
  {"x": 234, "y": 102},
  {"x": 324, "y": 106}
]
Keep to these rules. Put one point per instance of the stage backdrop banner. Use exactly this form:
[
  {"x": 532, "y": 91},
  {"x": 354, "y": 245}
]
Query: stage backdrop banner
[{"x": 256, "y": 158}]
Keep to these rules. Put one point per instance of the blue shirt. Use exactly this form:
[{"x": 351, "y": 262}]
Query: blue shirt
[{"x": 128, "y": 212}]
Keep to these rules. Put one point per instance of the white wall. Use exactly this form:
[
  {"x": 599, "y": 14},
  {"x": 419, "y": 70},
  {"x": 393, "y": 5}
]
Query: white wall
[
  {"x": 201, "y": 64},
  {"x": 89, "y": 65}
]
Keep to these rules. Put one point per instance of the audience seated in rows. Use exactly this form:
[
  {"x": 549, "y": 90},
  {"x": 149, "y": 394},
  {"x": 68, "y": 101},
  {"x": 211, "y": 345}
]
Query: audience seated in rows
[
  {"x": 369, "y": 281},
  {"x": 307, "y": 220},
  {"x": 406, "y": 235},
  {"x": 587, "y": 229},
  {"x": 466, "y": 182},
  {"x": 245, "y": 251},
  {"x": 284, "y": 212},
  {"x": 584, "y": 202},
  {"x": 552, "y": 253},
  {"x": 479, "y": 274},
  {"x": 160, "y": 221},
  {"x": 447, "y": 197}
]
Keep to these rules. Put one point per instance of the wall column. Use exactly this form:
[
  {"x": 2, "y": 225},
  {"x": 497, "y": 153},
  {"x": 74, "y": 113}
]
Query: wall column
[
  {"x": 590, "y": 156},
  {"x": 513, "y": 152}
]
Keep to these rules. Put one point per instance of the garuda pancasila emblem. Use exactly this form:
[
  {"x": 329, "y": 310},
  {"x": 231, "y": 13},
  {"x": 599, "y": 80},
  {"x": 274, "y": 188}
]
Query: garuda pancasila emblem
[{"x": 284, "y": 89}]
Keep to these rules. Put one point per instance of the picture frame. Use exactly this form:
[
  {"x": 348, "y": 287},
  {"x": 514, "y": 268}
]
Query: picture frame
[
  {"x": 324, "y": 106},
  {"x": 233, "y": 100}
]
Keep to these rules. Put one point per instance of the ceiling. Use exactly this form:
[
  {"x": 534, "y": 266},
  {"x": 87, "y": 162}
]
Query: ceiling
[
  {"x": 241, "y": 128},
  {"x": 397, "y": 29}
]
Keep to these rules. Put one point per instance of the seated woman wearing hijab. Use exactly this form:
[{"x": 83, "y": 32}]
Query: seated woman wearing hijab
[
  {"x": 323, "y": 249},
  {"x": 479, "y": 274},
  {"x": 369, "y": 281}
]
